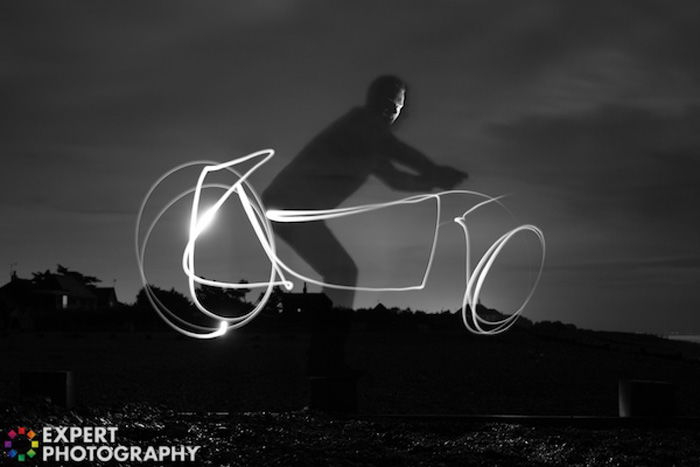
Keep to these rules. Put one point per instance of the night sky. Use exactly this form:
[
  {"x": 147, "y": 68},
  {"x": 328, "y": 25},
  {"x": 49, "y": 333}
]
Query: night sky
[{"x": 587, "y": 114}]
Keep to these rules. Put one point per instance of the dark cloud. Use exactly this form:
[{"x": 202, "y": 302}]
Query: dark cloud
[
  {"x": 633, "y": 163},
  {"x": 631, "y": 264}
]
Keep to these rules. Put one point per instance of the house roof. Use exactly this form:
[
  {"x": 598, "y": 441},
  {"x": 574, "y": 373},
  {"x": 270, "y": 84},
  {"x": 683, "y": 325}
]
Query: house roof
[
  {"x": 16, "y": 292},
  {"x": 105, "y": 293},
  {"x": 68, "y": 285},
  {"x": 58, "y": 284}
]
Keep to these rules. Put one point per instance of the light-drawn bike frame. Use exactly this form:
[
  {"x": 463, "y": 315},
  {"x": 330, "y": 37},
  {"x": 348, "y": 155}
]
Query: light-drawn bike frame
[{"x": 260, "y": 219}]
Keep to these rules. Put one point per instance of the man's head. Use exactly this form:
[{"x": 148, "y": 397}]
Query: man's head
[{"x": 386, "y": 96}]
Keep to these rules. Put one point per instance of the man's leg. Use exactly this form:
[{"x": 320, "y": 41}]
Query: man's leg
[{"x": 317, "y": 245}]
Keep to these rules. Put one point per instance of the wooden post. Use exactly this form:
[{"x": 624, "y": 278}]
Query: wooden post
[
  {"x": 644, "y": 398},
  {"x": 58, "y": 386}
]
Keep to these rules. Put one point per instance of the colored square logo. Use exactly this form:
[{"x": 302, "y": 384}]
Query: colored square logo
[{"x": 18, "y": 436}]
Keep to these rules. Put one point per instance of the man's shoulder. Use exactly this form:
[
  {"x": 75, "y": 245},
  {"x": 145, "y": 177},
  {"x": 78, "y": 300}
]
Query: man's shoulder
[
  {"x": 354, "y": 114},
  {"x": 356, "y": 131},
  {"x": 360, "y": 119},
  {"x": 359, "y": 113}
]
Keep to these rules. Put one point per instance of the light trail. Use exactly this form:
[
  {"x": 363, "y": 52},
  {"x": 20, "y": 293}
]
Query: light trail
[{"x": 260, "y": 220}]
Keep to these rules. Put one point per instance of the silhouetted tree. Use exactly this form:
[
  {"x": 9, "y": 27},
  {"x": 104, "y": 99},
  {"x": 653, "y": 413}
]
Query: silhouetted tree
[
  {"x": 222, "y": 300},
  {"x": 274, "y": 302},
  {"x": 39, "y": 277},
  {"x": 90, "y": 281},
  {"x": 174, "y": 300}
]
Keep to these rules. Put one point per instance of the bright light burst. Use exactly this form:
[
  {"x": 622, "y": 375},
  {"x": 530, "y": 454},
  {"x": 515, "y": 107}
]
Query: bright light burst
[{"x": 260, "y": 219}]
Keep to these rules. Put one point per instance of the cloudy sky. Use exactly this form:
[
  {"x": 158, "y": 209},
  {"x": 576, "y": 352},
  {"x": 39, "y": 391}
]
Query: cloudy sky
[{"x": 586, "y": 113}]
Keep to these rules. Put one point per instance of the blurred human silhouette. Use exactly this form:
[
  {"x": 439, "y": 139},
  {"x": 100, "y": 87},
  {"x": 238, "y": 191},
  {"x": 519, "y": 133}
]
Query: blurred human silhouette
[{"x": 334, "y": 164}]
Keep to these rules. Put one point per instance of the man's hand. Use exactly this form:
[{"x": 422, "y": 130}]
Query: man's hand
[{"x": 446, "y": 178}]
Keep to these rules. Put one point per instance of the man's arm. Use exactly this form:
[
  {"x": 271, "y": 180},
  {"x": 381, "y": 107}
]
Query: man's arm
[
  {"x": 437, "y": 176},
  {"x": 410, "y": 157},
  {"x": 400, "y": 180}
]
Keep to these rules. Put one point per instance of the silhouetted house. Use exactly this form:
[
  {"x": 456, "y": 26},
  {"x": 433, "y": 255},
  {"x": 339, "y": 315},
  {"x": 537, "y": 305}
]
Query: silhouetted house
[
  {"x": 305, "y": 302},
  {"x": 24, "y": 301},
  {"x": 106, "y": 297},
  {"x": 65, "y": 292},
  {"x": 55, "y": 292},
  {"x": 16, "y": 299}
]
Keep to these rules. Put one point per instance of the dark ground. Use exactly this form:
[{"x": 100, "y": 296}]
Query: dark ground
[
  {"x": 296, "y": 438},
  {"x": 140, "y": 382},
  {"x": 417, "y": 371}
]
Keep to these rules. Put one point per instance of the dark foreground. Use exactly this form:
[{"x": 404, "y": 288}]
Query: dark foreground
[
  {"x": 143, "y": 382},
  {"x": 405, "y": 371},
  {"x": 297, "y": 438}
]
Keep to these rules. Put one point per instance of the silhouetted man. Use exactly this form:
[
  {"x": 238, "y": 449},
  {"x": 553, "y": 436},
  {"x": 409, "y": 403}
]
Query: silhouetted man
[{"x": 335, "y": 164}]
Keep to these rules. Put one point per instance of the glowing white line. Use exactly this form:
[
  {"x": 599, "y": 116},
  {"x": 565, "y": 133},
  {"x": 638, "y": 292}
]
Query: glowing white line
[{"x": 260, "y": 222}]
